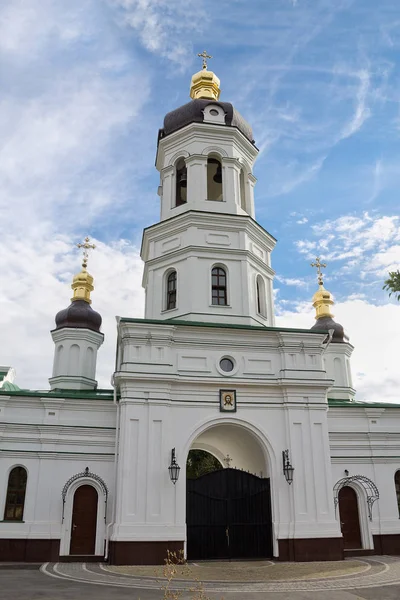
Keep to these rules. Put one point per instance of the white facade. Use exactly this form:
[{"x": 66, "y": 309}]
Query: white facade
[{"x": 209, "y": 303}]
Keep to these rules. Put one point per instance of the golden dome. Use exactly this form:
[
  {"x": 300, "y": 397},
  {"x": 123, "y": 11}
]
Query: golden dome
[
  {"x": 205, "y": 84},
  {"x": 322, "y": 301},
  {"x": 82, "y": 284}
]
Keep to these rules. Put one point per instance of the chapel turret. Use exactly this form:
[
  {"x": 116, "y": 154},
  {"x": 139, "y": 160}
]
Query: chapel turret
[
  {"x": 338, "y": 352},
  {"x": 77, "y": 335}
]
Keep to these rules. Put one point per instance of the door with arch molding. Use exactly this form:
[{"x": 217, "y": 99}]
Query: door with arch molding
[
  {"x": 84, "y": 521},
  {"x": 349, "y": 518}
]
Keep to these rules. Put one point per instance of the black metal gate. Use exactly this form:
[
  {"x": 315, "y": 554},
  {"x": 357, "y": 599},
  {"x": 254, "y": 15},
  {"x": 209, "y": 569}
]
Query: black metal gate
[{"x": 228, "y": 515}]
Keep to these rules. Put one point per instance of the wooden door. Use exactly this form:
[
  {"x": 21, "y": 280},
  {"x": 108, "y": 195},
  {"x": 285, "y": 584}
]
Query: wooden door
[
  {"x": 84, "y": 520},
  {"x": 349, "y": 518}
]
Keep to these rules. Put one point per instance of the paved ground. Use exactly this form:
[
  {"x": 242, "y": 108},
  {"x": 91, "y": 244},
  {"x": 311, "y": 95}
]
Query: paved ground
[
  {"x": 63, "y": 581},
  {"x": 253, "y": 571}
]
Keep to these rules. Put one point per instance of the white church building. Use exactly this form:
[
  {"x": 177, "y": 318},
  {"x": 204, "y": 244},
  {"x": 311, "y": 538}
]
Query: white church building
[{"x": 306, "y": 472}]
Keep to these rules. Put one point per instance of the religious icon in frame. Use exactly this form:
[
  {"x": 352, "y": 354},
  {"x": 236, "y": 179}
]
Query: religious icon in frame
[{"x": 227, "y": 400}]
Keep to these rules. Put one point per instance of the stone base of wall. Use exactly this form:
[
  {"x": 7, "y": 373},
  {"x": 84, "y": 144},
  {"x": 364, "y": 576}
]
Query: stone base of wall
[
  {"x": 142, "y": 553},
  {"x": 311, "y": 549},
  {"x": 387, "y": 544},
  {"x": 16, "y": 550}
]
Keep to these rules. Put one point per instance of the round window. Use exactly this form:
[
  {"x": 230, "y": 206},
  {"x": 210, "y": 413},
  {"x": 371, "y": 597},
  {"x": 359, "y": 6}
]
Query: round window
[
  {"x": 214, "y": 112},
  {"x": 226, "y": 364}
]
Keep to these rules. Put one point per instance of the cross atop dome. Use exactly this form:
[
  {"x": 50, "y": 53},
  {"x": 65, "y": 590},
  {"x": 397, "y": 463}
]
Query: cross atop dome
[
  {"x": 86, "y": 247},
  {"x": 319, "y": 265},
  {"x": 204, "y": 56},
  {"x": 205, "y": 84}
]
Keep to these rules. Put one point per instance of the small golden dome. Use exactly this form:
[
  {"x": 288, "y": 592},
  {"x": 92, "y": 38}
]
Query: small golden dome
[
  {"x": 82, "y": 284},
  {"x": 205, "y": 84},
  {"x": 322, "y": 301}
]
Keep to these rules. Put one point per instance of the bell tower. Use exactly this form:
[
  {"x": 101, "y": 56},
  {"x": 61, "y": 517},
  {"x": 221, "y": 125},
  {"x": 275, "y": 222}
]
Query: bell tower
[{"x": 207, "y": 259}]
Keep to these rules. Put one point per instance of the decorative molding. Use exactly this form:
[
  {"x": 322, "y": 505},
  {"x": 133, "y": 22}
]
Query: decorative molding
[
  {"x": 369, "y": 487},
  {"x": 86, "y": 474}
]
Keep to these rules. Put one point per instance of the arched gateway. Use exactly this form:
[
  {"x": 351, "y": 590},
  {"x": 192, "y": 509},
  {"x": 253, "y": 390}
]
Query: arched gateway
[{"x": 228, "y": 508}]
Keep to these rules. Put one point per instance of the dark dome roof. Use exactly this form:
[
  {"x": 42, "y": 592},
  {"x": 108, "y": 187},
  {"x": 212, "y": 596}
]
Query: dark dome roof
[
  {"x": 192, "y": 112},
  {"x": 326, "y": 323},
  {"x": 78, "y": 314}
]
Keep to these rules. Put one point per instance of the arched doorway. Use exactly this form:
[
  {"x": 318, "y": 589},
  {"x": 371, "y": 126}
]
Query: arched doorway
[
  {"x": 84, "y": 521},
  {"x": 228, "y": 507},
  {"x": 349, "y": 518}
]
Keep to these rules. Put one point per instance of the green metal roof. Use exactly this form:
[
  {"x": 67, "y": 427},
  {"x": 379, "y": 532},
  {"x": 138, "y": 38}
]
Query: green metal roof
[
  {"x": 10, "y": 387},
  {"x": 79, "y": 394},
  {"x": 360, "y": 404},
  {"x": 218, "y": 325}
]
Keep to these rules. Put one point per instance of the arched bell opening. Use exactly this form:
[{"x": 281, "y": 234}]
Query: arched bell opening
[
  {"x": 181, "y": 183},
  {"x": 261, "y": 297},
  {"x": 228, "y": 506},
  {"x": 242, "y": 191},
  {"x": 214, "y": 179}
]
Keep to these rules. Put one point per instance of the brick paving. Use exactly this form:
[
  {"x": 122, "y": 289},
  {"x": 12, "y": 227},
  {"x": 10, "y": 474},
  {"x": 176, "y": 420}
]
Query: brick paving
[{"x": 376, "y": 572}]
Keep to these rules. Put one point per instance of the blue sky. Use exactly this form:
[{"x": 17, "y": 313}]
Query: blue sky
[{"x": 85, "y": 86}]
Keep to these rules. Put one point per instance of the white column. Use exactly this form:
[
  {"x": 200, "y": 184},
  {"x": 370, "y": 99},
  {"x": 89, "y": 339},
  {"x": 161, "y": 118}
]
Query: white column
[
  {"x": 168, "y": 191},
  {"x": 249, "y": 184},
  {"x": 196, "y": 181},
  {"x": 231, "y": 183}
]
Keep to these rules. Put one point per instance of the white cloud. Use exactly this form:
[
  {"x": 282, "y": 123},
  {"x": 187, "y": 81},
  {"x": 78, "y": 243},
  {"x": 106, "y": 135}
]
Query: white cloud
[
  {"x": 291, "y": 281},
  {"x": 375, "y": 361},
  {"x": 165, "y": 27},
  {"x": 362, "y": 111},
  {"x": 369, "y": 243}
]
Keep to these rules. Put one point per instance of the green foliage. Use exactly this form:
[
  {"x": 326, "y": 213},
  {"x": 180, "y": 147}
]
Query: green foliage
[
  {"x": 200, "y": 462},
  {"x": 392, "y": 284}
]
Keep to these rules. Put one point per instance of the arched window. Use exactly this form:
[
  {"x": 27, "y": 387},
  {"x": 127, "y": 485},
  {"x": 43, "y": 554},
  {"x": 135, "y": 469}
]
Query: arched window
[
  {"x": 15, "y": 499},
  {"x": 397, "y": 486},
  {"x": 261, "y": 296},
  {"x": 218, "y": 286},
  {"x": 171, "y": 290},
  {"x": 181, "y": 183},
  {"x": 214, "y": 179}
]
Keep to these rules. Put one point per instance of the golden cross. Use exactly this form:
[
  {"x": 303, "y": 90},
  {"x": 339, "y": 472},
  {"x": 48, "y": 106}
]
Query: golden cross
[
  {"x": 86, "y": 247},
  {"x": 204, "y": 56},
  {"x": 319, "y": 266}
]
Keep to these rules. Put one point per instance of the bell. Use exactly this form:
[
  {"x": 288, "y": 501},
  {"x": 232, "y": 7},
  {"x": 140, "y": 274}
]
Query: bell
[
  {"x": 183, "y": 179},
  {"x": 218, "y": 175}
]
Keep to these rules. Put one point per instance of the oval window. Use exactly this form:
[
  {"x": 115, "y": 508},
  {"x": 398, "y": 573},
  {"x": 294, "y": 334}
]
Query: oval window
[{"x": 214, "y": 112}]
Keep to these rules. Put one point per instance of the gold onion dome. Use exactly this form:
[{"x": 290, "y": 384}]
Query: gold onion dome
[
  {"x": 322, "y": 302},
  {"x": 79, "y": 313},
  {"x": 82, "y": 284},
  {"x": 205, "y": 84}
]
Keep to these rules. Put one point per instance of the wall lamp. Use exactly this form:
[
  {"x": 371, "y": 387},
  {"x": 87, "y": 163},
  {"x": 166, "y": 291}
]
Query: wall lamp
[
  {"x": 174, "y": 468},
  {"x": 287, "y": 467}
]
